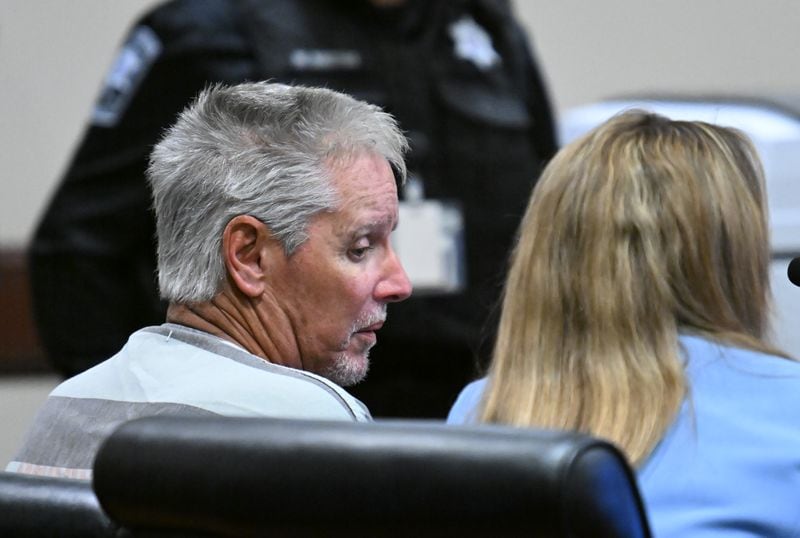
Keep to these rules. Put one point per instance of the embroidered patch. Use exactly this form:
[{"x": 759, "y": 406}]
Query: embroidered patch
[
  {"x": 128, "y": 70},
  {"x": 473, "y": 43}
]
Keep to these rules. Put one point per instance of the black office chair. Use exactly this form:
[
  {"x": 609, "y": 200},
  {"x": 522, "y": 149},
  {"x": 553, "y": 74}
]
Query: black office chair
[
  {"x": 33, "y": 506},
  {"x": 263, "y": 477}
]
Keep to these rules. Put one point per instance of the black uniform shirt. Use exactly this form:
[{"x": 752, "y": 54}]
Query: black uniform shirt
[{"x": 480, "y": 128}]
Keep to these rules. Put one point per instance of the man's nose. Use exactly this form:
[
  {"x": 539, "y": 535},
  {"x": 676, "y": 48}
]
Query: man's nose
[{"x": 395, "y": 286}]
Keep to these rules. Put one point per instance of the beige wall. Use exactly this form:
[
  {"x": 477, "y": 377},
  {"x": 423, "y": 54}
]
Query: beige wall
[
  {"x": 593, "y": 50},
  {"x": 53, "y": 54}
]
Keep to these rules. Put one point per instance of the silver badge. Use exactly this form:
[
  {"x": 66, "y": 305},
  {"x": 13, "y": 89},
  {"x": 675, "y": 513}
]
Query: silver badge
[{"x": 473, "y": 43}]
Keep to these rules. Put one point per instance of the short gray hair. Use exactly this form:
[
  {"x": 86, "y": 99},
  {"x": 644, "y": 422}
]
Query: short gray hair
[{"x": 258, "y": 149}]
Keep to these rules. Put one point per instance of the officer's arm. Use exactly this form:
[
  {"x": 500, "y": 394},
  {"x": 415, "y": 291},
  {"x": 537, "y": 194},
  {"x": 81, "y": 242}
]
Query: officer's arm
[{"x": 92, "y": 256}]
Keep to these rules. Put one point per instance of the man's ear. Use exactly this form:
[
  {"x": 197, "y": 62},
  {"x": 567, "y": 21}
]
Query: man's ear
[{"x": 245, "y": 249}]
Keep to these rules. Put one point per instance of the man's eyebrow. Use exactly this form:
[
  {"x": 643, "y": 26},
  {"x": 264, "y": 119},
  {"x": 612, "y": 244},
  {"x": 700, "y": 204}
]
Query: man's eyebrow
[{"x": 390, "y": 222}]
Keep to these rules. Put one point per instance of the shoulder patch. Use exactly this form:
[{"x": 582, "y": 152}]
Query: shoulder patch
[{"x": 128, "y": 70}]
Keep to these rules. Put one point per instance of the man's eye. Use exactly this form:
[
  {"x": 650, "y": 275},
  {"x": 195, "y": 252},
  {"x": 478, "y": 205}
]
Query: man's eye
[{"x": 359, "y": 253}]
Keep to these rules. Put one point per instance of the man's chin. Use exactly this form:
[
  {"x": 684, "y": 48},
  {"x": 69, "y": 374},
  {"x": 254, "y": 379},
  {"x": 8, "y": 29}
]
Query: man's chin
[{"x": 348, "y": 370}]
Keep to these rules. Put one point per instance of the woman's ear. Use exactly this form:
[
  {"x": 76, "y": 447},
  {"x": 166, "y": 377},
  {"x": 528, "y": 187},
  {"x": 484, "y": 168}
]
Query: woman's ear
[{"x": 245, "y": 251}]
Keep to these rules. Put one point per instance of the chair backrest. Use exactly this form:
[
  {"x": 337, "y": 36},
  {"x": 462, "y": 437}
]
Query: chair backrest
[
  {"x": 34, "y": 506},
  {"x": 246, "y": 477}
]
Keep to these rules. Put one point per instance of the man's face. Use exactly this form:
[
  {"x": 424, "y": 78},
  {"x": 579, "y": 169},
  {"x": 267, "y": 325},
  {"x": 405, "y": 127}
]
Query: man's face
[{"x": 335, "y": 286}]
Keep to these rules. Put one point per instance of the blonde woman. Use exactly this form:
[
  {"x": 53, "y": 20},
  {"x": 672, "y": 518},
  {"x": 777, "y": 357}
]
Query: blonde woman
[{"x": 636, "y": 309}]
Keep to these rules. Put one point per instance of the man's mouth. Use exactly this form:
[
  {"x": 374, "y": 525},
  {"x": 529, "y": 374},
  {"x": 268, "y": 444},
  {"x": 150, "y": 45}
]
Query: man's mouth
[
  {"x": 372, "y": 328},
  {"x": 367, "y": 335},
  {"x": 369, "y": 325}
]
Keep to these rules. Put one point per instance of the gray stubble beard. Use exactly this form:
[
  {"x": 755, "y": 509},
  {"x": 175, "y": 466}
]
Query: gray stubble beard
[{"x": 345, "y": 371}]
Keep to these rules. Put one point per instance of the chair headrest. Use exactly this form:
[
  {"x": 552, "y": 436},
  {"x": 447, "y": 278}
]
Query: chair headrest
[
  {"x": 41, "y": 506},
  {"x": 249, "y": 476}
]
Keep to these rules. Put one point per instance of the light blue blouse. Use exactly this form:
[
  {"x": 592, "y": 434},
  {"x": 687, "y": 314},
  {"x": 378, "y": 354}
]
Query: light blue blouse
[{"x": 730, "y": 463}]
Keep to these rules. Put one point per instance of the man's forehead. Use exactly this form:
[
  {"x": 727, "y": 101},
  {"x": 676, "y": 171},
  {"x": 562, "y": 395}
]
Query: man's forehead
[
  {"x": 367, "y": 179},
  {"x": 366, "y": 214}
]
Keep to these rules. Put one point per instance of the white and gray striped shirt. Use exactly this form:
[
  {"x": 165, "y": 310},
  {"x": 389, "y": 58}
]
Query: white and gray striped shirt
[{"x": 175, "y": 370}]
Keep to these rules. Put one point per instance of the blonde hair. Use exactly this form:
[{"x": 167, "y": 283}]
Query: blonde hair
[{"x": 642, "y": 228}]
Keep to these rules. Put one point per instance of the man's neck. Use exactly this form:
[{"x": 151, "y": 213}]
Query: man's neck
[{"x": 240, "y": 322}]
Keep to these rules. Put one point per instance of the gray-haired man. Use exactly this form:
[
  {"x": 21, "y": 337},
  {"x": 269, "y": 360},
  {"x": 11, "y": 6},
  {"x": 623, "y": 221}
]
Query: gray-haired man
[{"x": 274, "y": 207}]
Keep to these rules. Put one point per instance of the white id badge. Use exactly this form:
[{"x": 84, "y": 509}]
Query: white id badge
[{"x": 429, "y": 242}]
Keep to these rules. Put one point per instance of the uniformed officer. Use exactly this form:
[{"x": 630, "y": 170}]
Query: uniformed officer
[{"x": 458, "y": 74}]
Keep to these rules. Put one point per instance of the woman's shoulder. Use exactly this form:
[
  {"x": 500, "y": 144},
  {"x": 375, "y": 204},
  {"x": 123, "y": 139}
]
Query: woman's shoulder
[
  {"x": 733, "y": 453},
  {"x": 703, "y": 355},
  {"x": 465, "y": 408}
]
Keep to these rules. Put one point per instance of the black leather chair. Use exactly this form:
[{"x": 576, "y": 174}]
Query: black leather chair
[
  {"x": 261, "y": 477},
  {"x": 33, "y": 506}
]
